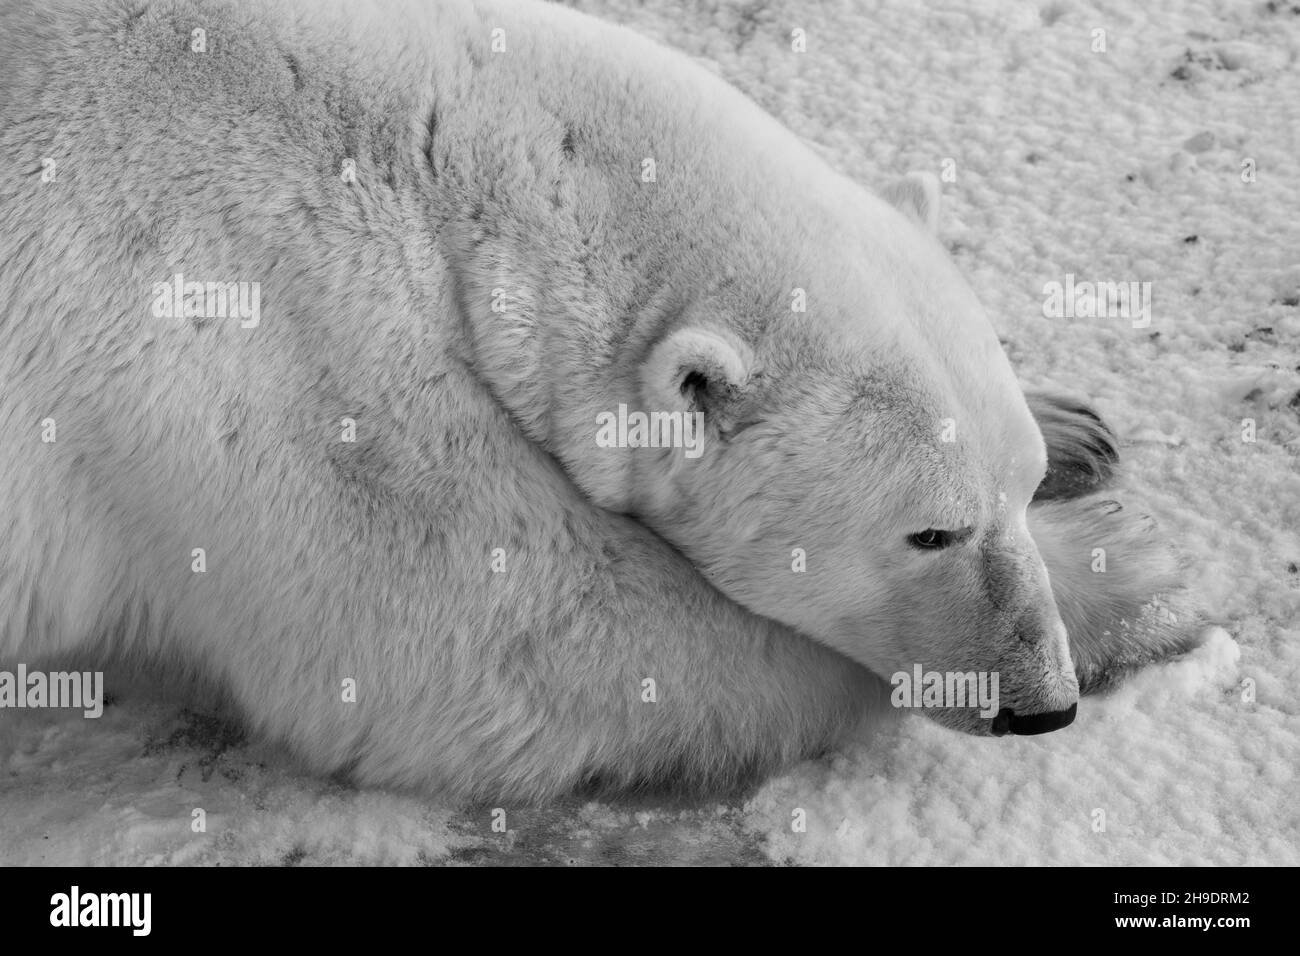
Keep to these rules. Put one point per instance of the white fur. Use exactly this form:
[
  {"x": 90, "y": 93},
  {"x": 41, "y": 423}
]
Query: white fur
[
  {"x": 917, "y": 195},
  {"x": 372, "y": 560}
]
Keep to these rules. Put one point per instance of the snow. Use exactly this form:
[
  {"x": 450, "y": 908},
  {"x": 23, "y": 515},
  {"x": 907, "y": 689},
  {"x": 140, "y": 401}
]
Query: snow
[
  {"x": 1182, "y": 772},
  {"x": 1099, "y": 164}
]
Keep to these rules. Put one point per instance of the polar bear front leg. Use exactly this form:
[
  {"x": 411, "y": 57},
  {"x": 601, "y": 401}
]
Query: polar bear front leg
[{"x": 1112, "y": 576}]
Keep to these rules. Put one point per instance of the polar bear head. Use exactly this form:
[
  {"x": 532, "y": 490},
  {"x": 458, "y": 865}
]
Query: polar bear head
[
  {"x": 864, "y": 473},
  {"x": 657, "y": 246}
]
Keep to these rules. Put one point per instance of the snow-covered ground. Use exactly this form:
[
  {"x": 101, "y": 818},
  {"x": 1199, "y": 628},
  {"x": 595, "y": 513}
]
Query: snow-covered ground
[{"x": 1122, "y": 165}]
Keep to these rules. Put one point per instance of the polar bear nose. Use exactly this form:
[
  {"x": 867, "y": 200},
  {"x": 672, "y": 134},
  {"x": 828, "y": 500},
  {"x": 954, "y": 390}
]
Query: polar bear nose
[{"x": 1024, "y": 725}]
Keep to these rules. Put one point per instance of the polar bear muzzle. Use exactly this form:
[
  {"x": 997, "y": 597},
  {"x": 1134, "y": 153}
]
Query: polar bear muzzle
[{"x": 1027, "y": 725}]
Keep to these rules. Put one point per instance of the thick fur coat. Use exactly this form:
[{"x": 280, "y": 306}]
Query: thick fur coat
[{"x": 462, "y": 250}]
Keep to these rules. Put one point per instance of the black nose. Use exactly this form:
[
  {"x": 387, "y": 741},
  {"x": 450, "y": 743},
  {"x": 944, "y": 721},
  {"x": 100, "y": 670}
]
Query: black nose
[{"x": 1024, "y": 725}]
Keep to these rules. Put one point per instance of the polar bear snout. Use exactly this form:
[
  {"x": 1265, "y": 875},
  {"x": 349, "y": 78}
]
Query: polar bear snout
[{"x": 1026, "y": 725}]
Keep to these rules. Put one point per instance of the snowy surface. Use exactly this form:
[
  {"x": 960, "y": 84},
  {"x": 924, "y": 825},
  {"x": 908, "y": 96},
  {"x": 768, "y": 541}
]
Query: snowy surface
[{"x": 1104, "y": 165}]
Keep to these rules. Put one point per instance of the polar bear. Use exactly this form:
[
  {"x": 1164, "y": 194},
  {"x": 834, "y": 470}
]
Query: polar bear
[{"x": 348, "y": 473}]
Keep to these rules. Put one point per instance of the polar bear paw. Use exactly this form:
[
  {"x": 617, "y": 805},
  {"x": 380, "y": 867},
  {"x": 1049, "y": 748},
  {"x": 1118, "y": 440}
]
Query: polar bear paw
[{"x": 1082, "y": 453}]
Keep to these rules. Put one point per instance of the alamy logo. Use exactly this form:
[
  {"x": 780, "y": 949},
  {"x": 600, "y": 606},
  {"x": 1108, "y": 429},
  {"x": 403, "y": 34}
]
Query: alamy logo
[
  {"x": 947, "y": 689},
  {"x": 57, "y": 689},
  {"x": 1098, "y": 300},
  {"x": 654, "y": 430},
  {"x": 179, "y": 299},
  {"x": 103, "y": 909}
]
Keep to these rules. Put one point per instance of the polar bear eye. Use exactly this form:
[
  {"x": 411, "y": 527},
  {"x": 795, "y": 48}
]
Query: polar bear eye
[{"x": 932, "y": 538}]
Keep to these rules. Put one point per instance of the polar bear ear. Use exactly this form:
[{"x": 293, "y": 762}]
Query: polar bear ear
[
  {"x": 699, "y": 370},
  {"x": 916, "y": 195}
]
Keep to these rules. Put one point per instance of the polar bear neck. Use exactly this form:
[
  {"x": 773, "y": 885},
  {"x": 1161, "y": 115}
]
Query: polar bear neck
[{"x": 583, "y": 225}]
